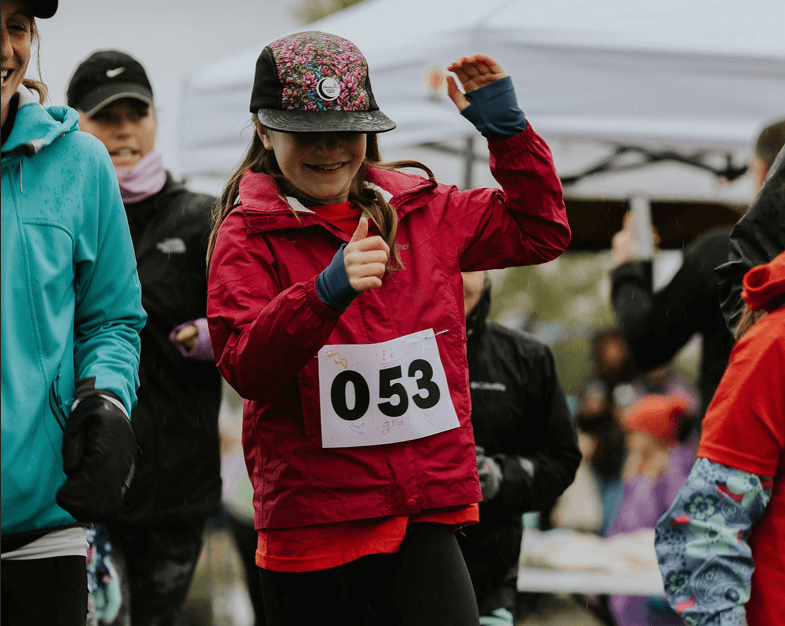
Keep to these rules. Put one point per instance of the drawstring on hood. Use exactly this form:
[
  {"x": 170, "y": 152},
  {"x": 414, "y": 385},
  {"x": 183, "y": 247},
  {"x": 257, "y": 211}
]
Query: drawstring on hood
[{"x": 31, "y": 147}]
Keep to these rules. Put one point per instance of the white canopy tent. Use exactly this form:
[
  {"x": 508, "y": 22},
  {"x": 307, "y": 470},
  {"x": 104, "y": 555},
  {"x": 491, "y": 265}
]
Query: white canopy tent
[{"x": 644, "y": 80}]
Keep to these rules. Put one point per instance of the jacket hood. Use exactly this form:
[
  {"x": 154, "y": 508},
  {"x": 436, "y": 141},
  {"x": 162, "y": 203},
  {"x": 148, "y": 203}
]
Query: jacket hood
[
  {"x": 475, "y": 321},
  {"x": 764, "y": 284},
  {"x": 36, "y": 127}
]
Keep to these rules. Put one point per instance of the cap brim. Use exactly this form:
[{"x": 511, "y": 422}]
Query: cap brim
[
  {"x": 325, "y": 121},
  {"x": 98, "y": 99},
  {"x": 44, "y": 9}
]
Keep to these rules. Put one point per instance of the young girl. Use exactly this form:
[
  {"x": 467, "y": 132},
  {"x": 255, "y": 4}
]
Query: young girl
[{"x": 335, "y": 306}]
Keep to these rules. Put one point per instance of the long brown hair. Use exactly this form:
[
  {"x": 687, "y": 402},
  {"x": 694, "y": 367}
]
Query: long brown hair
[
  {"x": 747, "y": 320},
  {"x": 36, "y": 85},
  {"x": 749, "y": 317},
  {"x": 262, "y": 161}
]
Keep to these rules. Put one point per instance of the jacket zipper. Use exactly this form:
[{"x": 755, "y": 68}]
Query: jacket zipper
[{"x": 54, "y": 405}]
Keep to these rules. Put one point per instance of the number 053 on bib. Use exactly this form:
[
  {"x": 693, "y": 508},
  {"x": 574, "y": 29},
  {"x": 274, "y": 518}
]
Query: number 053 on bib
[{"x": 383, "y": 392}]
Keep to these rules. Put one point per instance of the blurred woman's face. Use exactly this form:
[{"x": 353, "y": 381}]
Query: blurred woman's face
[
  {"x": 472, "y": 289},
  {"x": 17, "y": 38},
  {"x": 613, "y": 358},
  {"x": 126, "y": 127}
]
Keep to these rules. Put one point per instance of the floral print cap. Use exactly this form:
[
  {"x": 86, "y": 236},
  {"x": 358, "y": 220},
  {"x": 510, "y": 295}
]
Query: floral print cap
[{"x": 315, "y": 82}]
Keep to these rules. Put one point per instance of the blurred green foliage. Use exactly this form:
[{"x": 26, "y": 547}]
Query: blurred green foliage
[{"x": 563, "y": 302}]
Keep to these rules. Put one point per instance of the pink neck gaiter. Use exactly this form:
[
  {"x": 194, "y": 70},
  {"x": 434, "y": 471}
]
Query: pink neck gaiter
[{"x": 142, "y": 180}]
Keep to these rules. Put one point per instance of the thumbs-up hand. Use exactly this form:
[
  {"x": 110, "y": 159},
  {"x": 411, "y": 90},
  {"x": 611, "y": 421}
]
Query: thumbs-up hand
[{"x": 365, "y": 258}]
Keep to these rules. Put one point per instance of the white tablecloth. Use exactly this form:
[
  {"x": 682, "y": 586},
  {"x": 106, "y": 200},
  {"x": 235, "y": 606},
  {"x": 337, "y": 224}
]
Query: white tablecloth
[{"x": 566, "y": 561}]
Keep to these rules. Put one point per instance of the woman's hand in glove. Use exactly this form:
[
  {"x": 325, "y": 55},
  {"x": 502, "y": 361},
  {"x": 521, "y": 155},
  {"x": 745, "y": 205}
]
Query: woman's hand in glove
[
  {"x": 490, "y": 474},
  {"x": 99, "y": 457}
]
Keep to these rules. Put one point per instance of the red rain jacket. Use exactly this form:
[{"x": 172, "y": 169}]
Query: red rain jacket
[{"x": 267, "y": 325}]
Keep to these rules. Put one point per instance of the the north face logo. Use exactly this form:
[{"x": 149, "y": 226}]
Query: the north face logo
[{"x": 171, "y": 246}]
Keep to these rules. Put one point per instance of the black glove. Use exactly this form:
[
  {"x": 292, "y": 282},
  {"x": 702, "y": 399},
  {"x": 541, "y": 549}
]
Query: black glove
[
  {"x": 99, "y": 458},
  {"x": 490, "y": 474}
]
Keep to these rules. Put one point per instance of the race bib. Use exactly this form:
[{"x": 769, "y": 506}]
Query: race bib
[{"x": 383, "y": 392}]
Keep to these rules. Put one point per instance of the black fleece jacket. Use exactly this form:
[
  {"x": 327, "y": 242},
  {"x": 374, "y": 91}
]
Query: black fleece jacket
[
  {"x": 520, "y": 418},
  {"x": 176, "y": 418}
]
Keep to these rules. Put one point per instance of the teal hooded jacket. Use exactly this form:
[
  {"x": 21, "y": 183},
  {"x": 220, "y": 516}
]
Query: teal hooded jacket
[{"x": 71, "y": 301}]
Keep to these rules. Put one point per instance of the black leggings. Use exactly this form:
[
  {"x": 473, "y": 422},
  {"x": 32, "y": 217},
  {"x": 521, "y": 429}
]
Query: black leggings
[
  {"x": 45, "y": 591},
  {"x": 425, "y": 583}
]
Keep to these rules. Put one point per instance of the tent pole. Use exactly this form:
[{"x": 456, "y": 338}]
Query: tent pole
[
  {"x": 468, "y": 162},
  {"x": 640, "y": 207}
]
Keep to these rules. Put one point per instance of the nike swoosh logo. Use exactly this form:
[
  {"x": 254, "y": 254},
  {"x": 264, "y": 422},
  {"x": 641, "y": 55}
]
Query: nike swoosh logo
[{"x": 115, "y": 72}]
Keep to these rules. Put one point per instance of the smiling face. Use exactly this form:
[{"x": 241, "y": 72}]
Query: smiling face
[
  {"x": 127, "y": 129},
  {"x": 17, "y": 38},
  {"x": 321, "y": 166}
]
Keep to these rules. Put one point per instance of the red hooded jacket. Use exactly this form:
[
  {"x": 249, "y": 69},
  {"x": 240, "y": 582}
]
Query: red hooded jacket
[
  {"x": 744, "y": 428},
  {"x": 267, "y": 325}
]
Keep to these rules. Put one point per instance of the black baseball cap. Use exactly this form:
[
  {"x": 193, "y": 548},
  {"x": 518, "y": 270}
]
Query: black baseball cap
[
  {"x": 106, "y": 76},
  {"x": 43, "y": 8},
  {"x": 312, "y": 82}
]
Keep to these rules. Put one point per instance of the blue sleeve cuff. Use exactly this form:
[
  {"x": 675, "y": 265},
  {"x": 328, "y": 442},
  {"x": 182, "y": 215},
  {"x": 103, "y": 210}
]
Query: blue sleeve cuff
[
  {"x": 333, "y": 286},
  {"x": 494, "y": 110}
]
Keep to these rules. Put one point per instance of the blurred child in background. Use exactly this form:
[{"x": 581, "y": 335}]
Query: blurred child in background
[{"x": 654, "y": 470}]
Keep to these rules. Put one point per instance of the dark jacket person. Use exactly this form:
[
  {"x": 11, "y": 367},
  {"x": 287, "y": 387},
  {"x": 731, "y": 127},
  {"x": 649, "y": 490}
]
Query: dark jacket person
[
  {"x": 178, "y": 485},
  {"x": 526, "y": 443}
]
